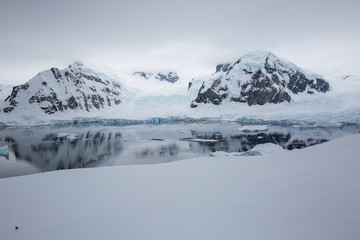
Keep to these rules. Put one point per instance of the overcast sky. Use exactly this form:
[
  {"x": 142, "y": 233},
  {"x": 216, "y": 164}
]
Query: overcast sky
[{"x": 187, "y": 36}]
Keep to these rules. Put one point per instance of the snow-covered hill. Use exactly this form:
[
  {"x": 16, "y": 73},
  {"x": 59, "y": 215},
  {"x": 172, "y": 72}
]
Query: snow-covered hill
[
  {"x": 72, "y": 91},
  {"x": 257, "y": 78}
]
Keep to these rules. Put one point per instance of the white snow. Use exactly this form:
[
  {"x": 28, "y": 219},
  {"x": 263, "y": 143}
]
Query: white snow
[
  {"x": 5, "y": 90},
  {"x": 313, "y": 193},
  {"x": 253, "y": 128}
]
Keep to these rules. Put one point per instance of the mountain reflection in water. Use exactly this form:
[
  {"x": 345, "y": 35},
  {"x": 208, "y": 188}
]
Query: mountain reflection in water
[{"x": 97, "y": 145}]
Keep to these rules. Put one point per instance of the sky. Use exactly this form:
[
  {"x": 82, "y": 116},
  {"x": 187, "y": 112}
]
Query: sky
[{"x": 189, "y": 36}]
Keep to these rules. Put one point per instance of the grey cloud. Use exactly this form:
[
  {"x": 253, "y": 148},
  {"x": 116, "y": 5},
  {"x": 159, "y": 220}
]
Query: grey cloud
[{"x": 180, "y": 35}]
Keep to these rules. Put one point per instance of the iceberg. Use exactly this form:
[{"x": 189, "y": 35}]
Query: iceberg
[
  {"x": 253, "y": 128},
  {"x": 260, "y": 149},
  {"x": 4, "y": 151},
  {"x": 266, "y": 149}
]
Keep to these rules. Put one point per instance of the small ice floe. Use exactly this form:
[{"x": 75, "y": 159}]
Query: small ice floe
[
  {"x": 200, "y": 140},
  {"x": 260, "y": 149},
  {"x": 253, "y": 128},
  {"x": 68, "y": 136},
  {"x": 264, "y": 149},
  {"x": 224, "y": 154},
  {"x": 4, "y": 151}
]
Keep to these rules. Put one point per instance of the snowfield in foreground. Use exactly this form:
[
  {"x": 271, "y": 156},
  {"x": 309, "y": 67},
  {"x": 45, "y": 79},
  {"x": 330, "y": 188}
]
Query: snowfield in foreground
[{"x": 312, "y": 193}]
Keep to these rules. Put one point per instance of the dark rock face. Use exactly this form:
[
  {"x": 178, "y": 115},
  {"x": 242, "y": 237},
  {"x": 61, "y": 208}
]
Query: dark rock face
[
  {"x": 189, "y": 85},
  {"x": 261, "y": 90},
  {"x": 223, "y": 67},
  {"x": 169, "y": 77},
  {"x": 71, "y": 102},
  {"x": 11, "y": 99},
  {"x": 73, "y": 88},
  {"x": 56, "y": 73},
  {"x": 54, "y": 104},
  {"x": 215, "y": 94},
  {"x": 143, "y": 74},
  {"x": 272, "y": 83}
]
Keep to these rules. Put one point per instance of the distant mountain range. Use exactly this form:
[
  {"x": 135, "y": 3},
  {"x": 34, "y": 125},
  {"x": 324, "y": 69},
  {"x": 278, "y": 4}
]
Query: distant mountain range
[{"x": 255, "y": 79}]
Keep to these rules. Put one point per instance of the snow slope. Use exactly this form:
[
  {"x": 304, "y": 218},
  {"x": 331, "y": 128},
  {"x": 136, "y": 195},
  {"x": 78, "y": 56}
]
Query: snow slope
[
  {"x": 5, "y": 90},
  {"x": 312, "y": 193}
]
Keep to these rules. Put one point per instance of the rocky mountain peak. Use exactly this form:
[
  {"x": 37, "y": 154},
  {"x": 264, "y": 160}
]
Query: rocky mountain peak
[
  {"x": 60, "y": 90},
  {"x": 257, "y": 78}
]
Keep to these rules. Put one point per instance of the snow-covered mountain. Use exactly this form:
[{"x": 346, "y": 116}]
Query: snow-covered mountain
[
  {"x": 256, "y": 78},
  {"x": 75, "y": 88},
  {"x": 253, "y": 87},
  {"x": 160, "y": 76}
]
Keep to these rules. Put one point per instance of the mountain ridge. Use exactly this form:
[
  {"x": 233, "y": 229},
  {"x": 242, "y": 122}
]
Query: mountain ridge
[
  {"x": 57, "y": 90},
  {"x": 257, "y": 78}
]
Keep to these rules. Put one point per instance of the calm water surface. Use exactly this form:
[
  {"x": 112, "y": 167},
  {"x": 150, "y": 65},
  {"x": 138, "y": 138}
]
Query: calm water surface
[{"x": 41, "y": 149}]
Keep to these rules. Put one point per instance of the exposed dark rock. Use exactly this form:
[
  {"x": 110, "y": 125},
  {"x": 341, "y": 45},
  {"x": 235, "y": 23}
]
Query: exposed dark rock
[
  {"x": 93, "y": 78},
  {"x": 97, "y": 101},
  {"x": 167, "y": 77},
  {"x": 85, "y": 101},
  {"x": 260, "y": 91},
  {"x": 8, "y": 109},
  {"x": 273, "y": 83},
  {"x": 71, "y": 102},
  {"x": 189, "y": 86},
  {"x": 215, "y": 94},
  {"x": 320, "y": 85},
  {"x": 15, "y": 91},
  {"x": 56, "y": 73},
  {"x": 223, "y": 67},
  {"x": 143, "y": 74}
]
